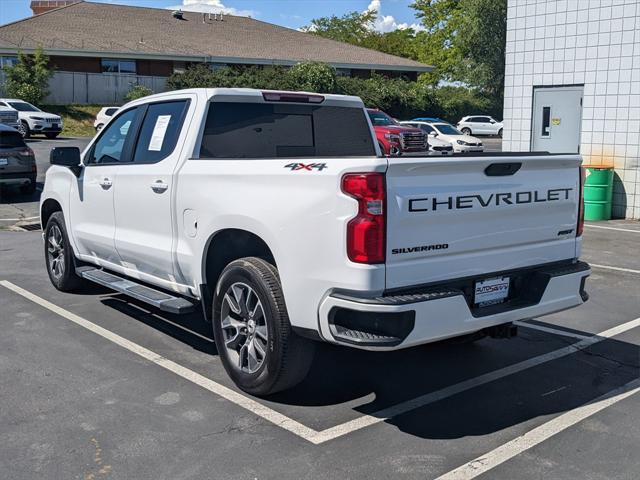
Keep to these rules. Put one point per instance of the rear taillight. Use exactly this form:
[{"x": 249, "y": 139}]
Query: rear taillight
[
  {"x": 366, "y": 232},
  {"x": 580, "y": 227},
  {"x": 27, "y": 152}
]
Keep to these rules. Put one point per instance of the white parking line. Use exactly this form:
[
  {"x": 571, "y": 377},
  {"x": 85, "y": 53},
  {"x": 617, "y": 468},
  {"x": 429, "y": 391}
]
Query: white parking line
[
  {"x": 613, "y": 228},
  {"x": 304, "y": 432},
  {"x": 18, "y": 219},
  {"x": 539, "y": 434},
  {"x": 429, "y": 398},
  {"x": 247, "y": 403},
  {"x": 555, "y": 331},
  {"x": 618, "y": 269}
]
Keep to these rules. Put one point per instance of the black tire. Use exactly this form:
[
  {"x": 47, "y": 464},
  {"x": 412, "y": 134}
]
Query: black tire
[
  {"x": 500, "y": 133},
  {"x": 287, "y": 358},
  {"x": 28, "y": 189},
  {"x": 466, "y": 131},
  {"x": 51, "y": 136},
  {"x": 64, "y": 278},
  {"x": 23, "y": 128}
]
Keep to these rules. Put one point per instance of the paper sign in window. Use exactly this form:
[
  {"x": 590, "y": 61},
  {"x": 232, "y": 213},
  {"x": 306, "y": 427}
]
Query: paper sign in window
[{"x": 159, "y": 132}]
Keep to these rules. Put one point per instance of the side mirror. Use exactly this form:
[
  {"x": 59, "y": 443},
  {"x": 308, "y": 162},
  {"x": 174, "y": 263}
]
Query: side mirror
[
  {"x": 492, "y": 121},
  {"x": 66, "y": 157},
  {"x": 433, "y": 134}
]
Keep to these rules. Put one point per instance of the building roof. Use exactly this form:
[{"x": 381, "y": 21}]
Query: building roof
[{"x": 101, "y": 29}]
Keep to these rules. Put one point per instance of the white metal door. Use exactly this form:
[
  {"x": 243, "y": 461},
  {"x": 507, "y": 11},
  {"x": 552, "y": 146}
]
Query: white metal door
[
  {"x": 557, "y": 118},
  {"x": 92, "y": 196},
  {"x": 91, "y": 212},
  {"x": 143, "y": 199}
]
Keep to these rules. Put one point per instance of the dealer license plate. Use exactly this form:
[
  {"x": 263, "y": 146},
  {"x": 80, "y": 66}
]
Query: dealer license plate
[
  {"x": 491, "y": 291},
  {"x": 4, "y": 161}
]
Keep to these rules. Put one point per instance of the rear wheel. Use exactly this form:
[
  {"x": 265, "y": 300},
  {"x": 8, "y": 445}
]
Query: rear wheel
[
  {"x": 253, "y": 335},
  {"x": 466, "y": 131},
  {"x": 59, "y": 256},
  {"x": 500, "y": 133}
]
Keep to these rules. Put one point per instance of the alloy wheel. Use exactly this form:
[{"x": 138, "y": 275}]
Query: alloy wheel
[
  {"x": 244, "y": 328},
  {"x": 55, "y": 251}
]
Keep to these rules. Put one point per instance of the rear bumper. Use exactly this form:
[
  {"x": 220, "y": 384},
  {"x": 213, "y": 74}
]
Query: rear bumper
[
  {"x": 424, "y": 315},
  {"x": 17, "y": 178}
]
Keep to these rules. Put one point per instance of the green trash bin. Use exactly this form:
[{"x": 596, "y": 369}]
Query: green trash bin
[{"x": 598, "y": 192}]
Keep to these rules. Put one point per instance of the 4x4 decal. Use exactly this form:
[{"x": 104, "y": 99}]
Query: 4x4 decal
[{"x": 306, "y": 166}]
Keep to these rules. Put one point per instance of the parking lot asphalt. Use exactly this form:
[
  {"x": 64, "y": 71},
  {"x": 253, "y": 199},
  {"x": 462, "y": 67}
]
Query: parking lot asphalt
[
  {"x": 20, "y": 209},
  {"x": 16, "y": 208},
  {"x": 97, "y": 386}
]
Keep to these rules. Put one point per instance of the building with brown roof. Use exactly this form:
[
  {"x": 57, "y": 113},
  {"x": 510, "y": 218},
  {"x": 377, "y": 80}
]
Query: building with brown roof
[{"x": 100, "y": 38}]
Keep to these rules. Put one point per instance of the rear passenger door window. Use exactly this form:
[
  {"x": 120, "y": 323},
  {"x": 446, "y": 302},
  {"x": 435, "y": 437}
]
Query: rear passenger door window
[{"x": 159, "y": 131}]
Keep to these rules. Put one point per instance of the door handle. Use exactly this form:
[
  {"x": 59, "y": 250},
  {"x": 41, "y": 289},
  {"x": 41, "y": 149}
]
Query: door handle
[
  {"x": 106, "y": 183},
  {"x": 159, "y": 186}
]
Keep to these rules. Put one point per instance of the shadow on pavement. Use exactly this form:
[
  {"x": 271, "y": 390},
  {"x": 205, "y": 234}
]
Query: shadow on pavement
[{"x": 341, "y": 375}]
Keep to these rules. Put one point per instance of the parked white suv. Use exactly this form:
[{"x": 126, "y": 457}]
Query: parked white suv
[
  {"x": 103, "y": 116},
  {"x": 276, "y": 215},
  {"x": 480, "y": 125},
  {"x": 32, "y": 120}
]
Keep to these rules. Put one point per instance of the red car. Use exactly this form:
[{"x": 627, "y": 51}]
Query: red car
[{"x": 395, "y": 139}]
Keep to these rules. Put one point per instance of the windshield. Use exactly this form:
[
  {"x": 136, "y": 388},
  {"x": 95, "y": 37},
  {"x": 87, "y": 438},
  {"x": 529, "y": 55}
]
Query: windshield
[
  {"x": 381, "y": 119},
  {"x": 447, "y": 129},
  {"x": 23, "y": 107}
]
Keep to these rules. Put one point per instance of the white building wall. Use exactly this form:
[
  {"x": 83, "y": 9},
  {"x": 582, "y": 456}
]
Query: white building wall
[{"x": 595, "y": 43}]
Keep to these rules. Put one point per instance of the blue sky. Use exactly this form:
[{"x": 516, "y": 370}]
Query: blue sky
[{"x": 289, "y": 13}]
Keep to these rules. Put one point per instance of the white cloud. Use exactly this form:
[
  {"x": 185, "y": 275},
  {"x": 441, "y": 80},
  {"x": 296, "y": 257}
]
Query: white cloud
[
  {"x": 211, "y": 6},
  {"x": 387, "y": 23}
]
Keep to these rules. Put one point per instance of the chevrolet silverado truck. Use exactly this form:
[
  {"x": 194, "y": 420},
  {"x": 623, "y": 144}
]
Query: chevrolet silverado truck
[
  {"x": 394, "y": 139},
  {"x": 277, "y": 215}
]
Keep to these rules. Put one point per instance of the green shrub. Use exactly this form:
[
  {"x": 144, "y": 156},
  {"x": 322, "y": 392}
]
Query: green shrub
[
  {"x": 313, "y": 77},
  {"x": 398, "y": 97},
  {"x": 137, "y": 91}
]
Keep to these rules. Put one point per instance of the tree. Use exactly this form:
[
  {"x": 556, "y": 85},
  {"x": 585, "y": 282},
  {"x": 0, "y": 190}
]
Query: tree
[
  {"x": 353, "y": 28},
  {"x": 465, "y": 40},
  {"x": 29, "y": 78}
]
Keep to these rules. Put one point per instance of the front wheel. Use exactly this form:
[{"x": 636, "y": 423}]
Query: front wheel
[
  {"x": 59, "y": 256},
  {"x": 466, "y": 131},
  {"x": 23, "y": 128},
  {"x": 500, "y": 133},
  {"x": 251, "y": 327}
]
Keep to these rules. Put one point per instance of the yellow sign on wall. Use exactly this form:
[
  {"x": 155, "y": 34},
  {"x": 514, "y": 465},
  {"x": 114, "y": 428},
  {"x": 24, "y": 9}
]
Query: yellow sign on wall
[{"x": 555, "y": 121}]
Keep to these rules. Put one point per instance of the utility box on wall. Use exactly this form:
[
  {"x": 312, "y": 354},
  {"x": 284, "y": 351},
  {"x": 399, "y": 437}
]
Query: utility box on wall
[{"x": 559, "y": 51}]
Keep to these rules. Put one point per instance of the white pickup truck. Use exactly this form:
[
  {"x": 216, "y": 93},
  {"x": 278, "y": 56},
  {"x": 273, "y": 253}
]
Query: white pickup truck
[{"x": 277, "y": 214}]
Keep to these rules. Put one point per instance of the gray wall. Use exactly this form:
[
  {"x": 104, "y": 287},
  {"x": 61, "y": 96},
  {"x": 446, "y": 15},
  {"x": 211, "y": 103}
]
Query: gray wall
[{"x": 100, "y": 88}]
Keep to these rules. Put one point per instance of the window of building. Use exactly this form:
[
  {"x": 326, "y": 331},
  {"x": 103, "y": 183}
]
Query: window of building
[
  {"x": 8, "y": 61},
  {"x": 115, "y": 65}
]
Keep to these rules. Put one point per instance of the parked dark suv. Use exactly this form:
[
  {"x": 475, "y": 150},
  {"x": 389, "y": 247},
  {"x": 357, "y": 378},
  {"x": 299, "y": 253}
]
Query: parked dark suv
[{"x": 17, "y": 162}]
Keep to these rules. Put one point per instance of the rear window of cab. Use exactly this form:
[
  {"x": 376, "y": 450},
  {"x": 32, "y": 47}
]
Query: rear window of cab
[{"x": 279, "y": 130}]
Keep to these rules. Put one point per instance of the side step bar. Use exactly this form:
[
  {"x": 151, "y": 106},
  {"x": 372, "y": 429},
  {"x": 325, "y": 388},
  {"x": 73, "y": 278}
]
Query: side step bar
[{"x": 162, "y": 300}]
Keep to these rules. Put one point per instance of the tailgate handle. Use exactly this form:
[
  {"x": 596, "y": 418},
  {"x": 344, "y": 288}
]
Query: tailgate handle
[{"x": 502, "y": 169}]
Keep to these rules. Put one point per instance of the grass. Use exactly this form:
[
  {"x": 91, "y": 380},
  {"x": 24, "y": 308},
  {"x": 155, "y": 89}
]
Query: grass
[{"x": 77, "y": 119}]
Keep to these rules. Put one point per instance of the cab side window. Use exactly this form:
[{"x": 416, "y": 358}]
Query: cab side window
[
  {"x": 159, "y": 131},
  {"x": 110, "y": 147}
]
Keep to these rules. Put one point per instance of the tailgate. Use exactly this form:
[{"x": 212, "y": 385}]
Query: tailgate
[{"x": 453, "y": 218}]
